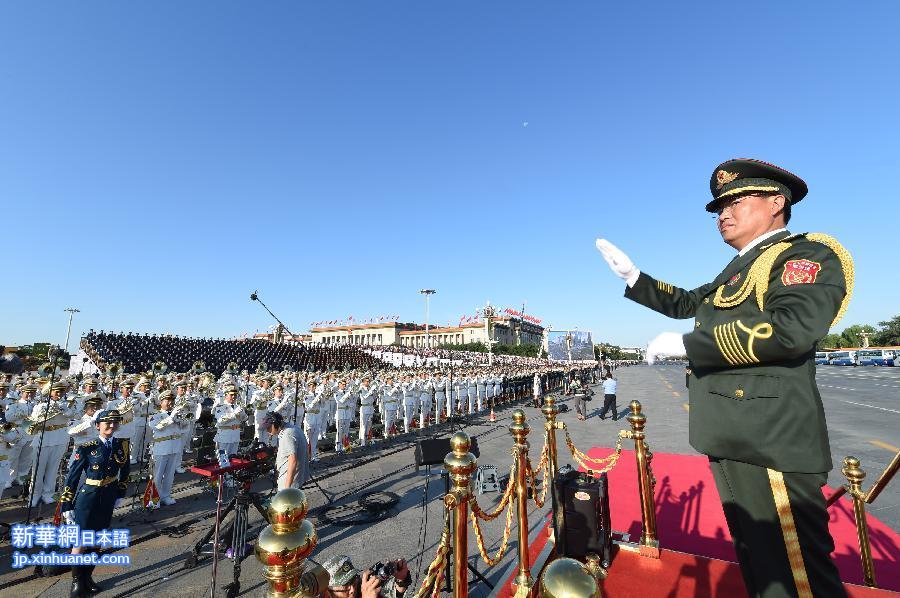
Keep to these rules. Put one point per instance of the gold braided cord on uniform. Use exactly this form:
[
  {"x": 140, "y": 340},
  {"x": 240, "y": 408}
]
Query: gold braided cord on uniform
[
  {"x": 479, "y": 538},
  {"x": 846, "y": 265},
  {"x": 507, "y": 497},
  {"x": 665, "y": 287},
  {"x": 605, "y": 464},
  {"x": 431, "y": 585},
  {"x": 763, "y": 330},
  {"x": 757, "y": 279},
  {"x": 789, "y": 531}
]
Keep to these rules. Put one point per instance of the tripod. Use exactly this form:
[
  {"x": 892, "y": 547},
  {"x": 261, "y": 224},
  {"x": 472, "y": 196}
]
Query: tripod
[
  {"x": 239, "y": 506},
  {"x": 448, "y": 575}
]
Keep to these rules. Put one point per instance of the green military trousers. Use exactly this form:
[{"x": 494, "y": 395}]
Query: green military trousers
[{"x": 779, "y": 526}]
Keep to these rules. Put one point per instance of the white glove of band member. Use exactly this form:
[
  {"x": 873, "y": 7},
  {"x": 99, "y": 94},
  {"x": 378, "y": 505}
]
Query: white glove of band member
[
  {"x": 618, "y": 262},
  {"x": 69, "y": 517},
  {"x": 667, "y": 344}
]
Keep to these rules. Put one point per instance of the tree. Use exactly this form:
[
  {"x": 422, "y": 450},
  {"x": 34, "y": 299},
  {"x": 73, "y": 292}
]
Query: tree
[
  {"x": 830, "y": 341},
  {"x": 889, "y": 335},
  {"x": 851, "y": 337}
]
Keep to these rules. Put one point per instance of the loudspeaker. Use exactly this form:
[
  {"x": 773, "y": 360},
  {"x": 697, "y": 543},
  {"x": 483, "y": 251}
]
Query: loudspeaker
[
  {"x": 431, "y": 451},
  {"x": 585, "y": 503}
]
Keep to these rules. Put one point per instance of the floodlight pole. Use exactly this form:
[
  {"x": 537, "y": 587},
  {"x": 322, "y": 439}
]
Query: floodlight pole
[
  {"x": 428, "y": 293},
  {"x": 72, "y": 311}
]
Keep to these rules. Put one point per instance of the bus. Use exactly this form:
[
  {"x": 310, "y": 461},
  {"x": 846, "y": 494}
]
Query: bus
[
  {"x": 876, "y": 357},
  {"x": 822, "y": 357},
  {"x": 843, "y": 358}
]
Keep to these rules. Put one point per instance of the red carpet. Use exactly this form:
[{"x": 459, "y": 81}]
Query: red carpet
[
  {"x": 697, "y": 555},
  {"x": 689, "y": 517}
]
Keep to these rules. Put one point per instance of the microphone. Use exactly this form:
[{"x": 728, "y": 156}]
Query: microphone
[{"x": 253, "y": 296}]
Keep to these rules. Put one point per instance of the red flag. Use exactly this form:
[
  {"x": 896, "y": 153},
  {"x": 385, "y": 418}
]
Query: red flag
[
  {"x": 151, "y": 495},
  {"x": 345, "y": 441},
  {"x": 57, "y": 514}
]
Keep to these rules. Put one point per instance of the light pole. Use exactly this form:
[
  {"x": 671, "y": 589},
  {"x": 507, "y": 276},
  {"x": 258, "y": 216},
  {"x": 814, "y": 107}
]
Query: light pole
[
  {"x": 489, "y": 312},
  {"x": 428, "y": 293},
  {"x": 72, "y": 311}
]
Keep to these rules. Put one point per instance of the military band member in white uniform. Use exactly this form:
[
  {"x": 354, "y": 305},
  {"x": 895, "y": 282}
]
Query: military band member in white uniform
[
  {"x": 472, "y": 391},
  {"x": 426, "y": 389},
  {"x": 261, "y": 401},
  {"x": 391, "y": 395},
  {"x": 84, "y": 430},
  {"x": 367, "y": 394},
  {"x": 21, "y": 454},
  {"x": 166, "y": 448},
  {"x": 312, "y": 421},
  {"x": 48, "y": 453},
  {"x": 10, "y": 436},
  {"x": 229, "y": 417},
  {"x": 125, "y": 405},
  {"x": 142, "y": 410},
  {"x": 440, "y": 396},
  {"x": 410, "y": 401},
  {"x": 345, "y": 405}
]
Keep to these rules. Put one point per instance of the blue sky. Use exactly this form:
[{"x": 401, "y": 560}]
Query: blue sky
[{"x": 159, "y": 161}]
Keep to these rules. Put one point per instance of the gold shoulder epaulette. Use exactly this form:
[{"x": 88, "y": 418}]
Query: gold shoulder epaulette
[
  {"x": 846, "y": 265},
  {"x": 91, "y": 442}
]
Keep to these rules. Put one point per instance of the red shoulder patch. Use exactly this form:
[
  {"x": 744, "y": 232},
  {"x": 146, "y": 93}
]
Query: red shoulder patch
[
  {"x": 77, "y": 455},
  {"x": 800, "y": 272}
]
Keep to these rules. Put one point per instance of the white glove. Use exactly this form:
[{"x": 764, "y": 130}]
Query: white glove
[
  {"x": 667, "y": 344},
  {"x": 69, "y": 517},
  {"x": 618, "y": 262}
]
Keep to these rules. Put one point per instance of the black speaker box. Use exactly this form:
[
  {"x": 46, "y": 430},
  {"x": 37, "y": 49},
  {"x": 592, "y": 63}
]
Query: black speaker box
[
  {"x": 431, "y": 451},
  {"x": 585, "y": 503}
]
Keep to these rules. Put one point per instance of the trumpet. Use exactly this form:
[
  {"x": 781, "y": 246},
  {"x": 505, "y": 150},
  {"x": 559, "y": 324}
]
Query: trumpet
[
  {"x": 159, "y": 367},
  {"x": 7, "y": 426}
]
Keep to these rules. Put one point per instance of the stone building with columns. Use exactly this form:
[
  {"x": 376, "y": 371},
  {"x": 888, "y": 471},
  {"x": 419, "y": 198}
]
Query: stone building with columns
[{"x": 505, "y": 330}]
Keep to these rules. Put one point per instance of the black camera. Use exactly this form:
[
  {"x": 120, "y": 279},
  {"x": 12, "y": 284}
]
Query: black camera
[
  {"x": 384, "y": 571},
  {"x": 261, "y": 457}
]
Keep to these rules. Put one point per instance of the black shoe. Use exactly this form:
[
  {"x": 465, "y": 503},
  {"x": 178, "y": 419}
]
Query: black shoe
[
  {"x": 79, "y": 589},
  {"x": 92, "y": 586}
]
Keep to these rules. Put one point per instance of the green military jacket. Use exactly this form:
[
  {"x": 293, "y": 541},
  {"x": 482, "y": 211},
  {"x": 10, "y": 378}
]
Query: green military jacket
[{"x": 753, "y": 394}]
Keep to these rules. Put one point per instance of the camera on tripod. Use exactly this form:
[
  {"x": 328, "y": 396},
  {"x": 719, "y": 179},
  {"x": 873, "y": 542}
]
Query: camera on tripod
[{"x": 261, "y": 458}]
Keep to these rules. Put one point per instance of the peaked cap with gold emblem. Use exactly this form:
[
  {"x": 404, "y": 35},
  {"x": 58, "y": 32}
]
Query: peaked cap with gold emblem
[{"x": 742, "y": 176}]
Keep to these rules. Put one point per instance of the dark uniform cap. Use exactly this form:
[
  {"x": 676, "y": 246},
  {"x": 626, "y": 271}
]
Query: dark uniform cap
[
  {"x": 742, "y": 176},
  {"x": 108, "y": 415},
  {"x": 341, "y": 570},
  {"x": 93, "y": 399}
]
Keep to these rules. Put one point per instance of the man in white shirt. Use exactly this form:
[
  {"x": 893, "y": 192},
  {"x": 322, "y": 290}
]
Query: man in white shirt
[{"x": 609, "y": 397}]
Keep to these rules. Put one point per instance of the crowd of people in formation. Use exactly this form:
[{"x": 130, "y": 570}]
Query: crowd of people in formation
[{"x": 167, "y": 417}]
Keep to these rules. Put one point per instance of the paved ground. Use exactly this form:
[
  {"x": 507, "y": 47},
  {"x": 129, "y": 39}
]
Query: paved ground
[{"x": 863, "y": 408}]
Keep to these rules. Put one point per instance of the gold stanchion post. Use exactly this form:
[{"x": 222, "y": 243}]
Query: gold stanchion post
[
  {"x": 649, "y": 544},
  {"x": 284, "y": 545},
  {"x": 460, "y": 463},
  {"x": 550, "y": 411},
  {"x": 519, "y": 430},
  {"x": 855, "y": 476}
]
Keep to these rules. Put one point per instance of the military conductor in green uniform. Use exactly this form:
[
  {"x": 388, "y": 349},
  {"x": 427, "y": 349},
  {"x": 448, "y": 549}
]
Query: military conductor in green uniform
[{"x": 755, "y": 409}]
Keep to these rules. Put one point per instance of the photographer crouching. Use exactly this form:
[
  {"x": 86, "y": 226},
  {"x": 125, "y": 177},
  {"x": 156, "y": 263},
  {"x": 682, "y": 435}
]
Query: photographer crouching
[
  {"x": 292, "y": 458},
  {"x": 389, "y": 580}
]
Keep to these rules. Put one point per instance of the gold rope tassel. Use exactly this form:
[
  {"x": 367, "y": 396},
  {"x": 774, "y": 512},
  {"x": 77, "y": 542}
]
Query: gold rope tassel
[{"x": 789, "y": 531}]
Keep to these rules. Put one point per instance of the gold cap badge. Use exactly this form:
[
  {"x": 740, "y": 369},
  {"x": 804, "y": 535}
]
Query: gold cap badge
[{"x": 723, "y": 177}]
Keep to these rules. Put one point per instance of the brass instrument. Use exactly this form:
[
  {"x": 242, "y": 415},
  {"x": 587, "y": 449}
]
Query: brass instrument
[
  {"x": 46, "y": 370},
  {"x": 159, "y": 367},
  {"x": 53, "y": 411},
  {"x": 232, "y": 368},
  {"x": 262, "y": 368},
  {"x": 7, "y": 426}
]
